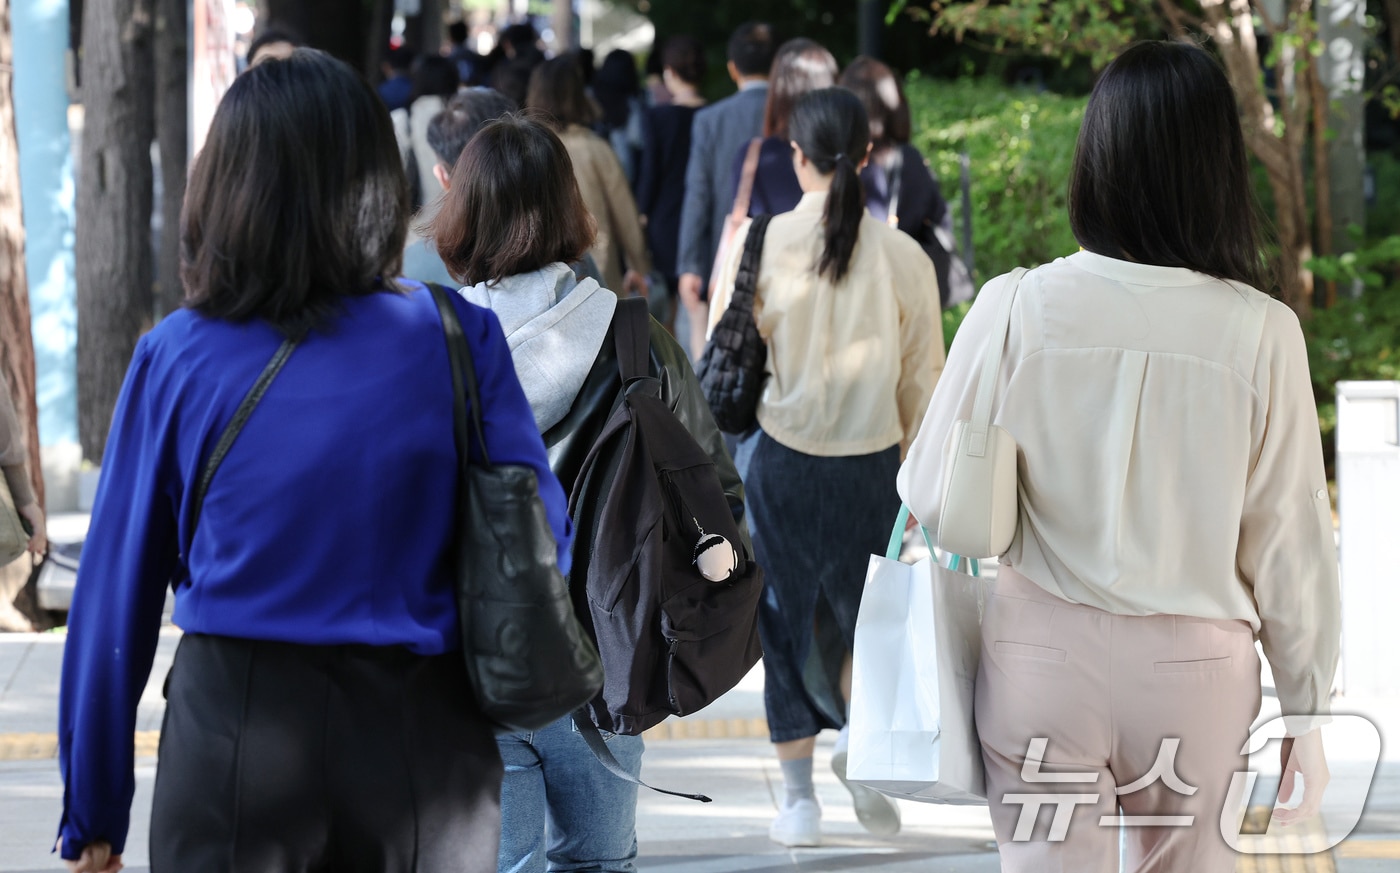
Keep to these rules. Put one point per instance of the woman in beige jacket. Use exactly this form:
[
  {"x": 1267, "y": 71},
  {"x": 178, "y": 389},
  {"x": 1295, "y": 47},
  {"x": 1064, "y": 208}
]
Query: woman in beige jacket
[
  {"x": 556, "y": 90},
  {"x": 12, "y": 466},
  {"x": 1173, "y": 503}
]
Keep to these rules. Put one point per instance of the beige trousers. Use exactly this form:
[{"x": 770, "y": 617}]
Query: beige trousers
[{"x": 1104, "y": 692}]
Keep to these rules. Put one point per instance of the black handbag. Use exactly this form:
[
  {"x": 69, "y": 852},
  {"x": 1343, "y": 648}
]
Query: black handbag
[
  {"x": 529, "y": 660},
  {"x": 733, "y": 367}
]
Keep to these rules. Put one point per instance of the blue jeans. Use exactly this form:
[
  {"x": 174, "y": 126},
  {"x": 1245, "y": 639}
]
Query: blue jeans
[{"x": 560, "y": 810}]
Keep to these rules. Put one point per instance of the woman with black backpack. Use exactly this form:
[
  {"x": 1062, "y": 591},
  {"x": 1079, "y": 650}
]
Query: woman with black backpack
[
  {"x": 561, "y": 808},
  {"x": 846, "y": 307}
]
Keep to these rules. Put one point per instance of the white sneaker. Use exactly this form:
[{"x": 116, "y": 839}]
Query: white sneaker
[
  {"x": 876, "y": 813},
  {"x": 797, "y": 824}
]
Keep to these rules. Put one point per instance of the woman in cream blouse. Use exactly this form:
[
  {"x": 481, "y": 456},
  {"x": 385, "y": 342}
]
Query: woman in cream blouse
[
  {"x": 1173, "y": 504},
  {"x": 848, "y": 308}
]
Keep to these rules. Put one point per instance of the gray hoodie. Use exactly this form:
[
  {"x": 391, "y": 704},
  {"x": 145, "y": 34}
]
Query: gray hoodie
[{"x": 555, "y": 326}]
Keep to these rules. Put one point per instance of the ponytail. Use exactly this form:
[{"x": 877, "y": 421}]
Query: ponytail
[
  {"x": 831, "y": 128},
  {"x": 845, "y": 206}
]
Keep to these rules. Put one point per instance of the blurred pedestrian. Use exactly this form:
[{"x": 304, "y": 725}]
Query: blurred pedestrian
[
  {"x": 14, "y": 460},
  {"x": 397, "y": 88},
  {"x": 319, "y": 715},
  {"x": 1172, "y": 499},
  {"x": 448, "y": 133},
  {"x": 470, "y": 67},
  {"x": 855, "y": 344},
  {"x": 900, "y": 189},
  {"x": 717, "y": 132},
  {"x": 273, "y": 42},
  {"x": 560, "y": 808},
  {"x": 434, "y": 82},
  {"x": 661, "y": 180},
  {"x": 556, "y": 89},
  {"x": 800, "y": 66},
  {"x": 618, "y": 90}
]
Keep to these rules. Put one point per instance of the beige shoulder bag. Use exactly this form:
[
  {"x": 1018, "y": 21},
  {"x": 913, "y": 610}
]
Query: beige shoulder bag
[{"x": 980, "y": 500}]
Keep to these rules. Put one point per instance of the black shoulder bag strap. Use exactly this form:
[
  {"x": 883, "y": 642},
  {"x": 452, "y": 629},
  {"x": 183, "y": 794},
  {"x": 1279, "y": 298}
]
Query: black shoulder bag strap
[
  {"x": 466, "y": 391},
  {"x": 235, "y": 425},
  {"x": 632, "y": 336}
]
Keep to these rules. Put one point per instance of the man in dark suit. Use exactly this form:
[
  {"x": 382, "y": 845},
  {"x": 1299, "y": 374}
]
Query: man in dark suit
[{"x": 718, "y": 133}]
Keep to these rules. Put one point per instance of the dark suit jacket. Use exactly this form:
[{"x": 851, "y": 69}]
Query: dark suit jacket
[{"x": 718, "y": 131}]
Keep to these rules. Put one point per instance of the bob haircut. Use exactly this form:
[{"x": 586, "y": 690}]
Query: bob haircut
[
  {"x": 878, "y": 88},
  {"x": 1140, "y": 188},
  {"x": 801, "y": 65},
  {"x": 297, "y": 200},
  {"x": 556, "y": 90},
  {"x": 514, "y": 206}
]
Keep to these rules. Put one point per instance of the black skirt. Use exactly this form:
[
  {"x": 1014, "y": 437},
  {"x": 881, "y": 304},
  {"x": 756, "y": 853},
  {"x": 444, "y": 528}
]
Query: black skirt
[{"x": 281, "y": 757}]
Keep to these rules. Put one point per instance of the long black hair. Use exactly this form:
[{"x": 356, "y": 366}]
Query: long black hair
[
  {"x": 831, "y": 128},
  {"x": 298, "y": 198},
  {"x": 1160, "y": 174}
]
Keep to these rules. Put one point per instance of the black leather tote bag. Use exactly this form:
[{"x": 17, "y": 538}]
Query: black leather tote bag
[{"x": 529, "y": 660}]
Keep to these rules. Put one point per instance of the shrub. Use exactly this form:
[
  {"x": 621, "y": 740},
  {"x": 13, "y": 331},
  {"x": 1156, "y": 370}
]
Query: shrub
[{"x": 1020, "y": 145}]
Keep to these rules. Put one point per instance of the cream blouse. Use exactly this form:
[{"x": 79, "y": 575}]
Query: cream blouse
[
  {"x": 851, "y": 364},
  {"x": 1170, "y": 461}
]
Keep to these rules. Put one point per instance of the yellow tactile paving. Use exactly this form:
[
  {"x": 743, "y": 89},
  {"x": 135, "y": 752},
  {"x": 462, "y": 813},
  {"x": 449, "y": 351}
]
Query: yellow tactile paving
[
  {"x": 1370, "y": 849},
  {"x": 1307, "y": 837},
  {"x": 42, "y": 747}
]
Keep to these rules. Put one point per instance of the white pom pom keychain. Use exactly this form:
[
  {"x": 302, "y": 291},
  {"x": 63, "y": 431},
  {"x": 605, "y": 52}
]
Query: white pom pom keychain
[{"x": 715, "y": 556}]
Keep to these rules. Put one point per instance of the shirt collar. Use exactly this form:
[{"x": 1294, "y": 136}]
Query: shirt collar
[
  {"x": 812, "y": 201},
  {"x": 753, "y": 86},
  {"x": 1134, "y": 273}
]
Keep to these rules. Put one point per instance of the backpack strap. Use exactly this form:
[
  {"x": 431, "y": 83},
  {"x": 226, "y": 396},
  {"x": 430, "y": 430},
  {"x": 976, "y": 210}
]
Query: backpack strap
[
  {"x": 632, "y": 335},
  {"x": 599, "y": 747}
]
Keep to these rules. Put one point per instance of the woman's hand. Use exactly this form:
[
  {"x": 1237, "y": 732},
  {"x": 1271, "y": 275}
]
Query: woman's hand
[
  {"x": 1302, "y": 755},
  {"x": 97, "y": 858},
  {"x": 39, "y": 539},
  {"x": 634, "y": 283}
]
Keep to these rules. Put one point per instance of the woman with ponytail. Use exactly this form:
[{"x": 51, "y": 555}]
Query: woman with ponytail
[{"x": 847, "y": 307}]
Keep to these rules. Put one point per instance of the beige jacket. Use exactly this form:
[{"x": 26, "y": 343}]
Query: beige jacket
[
  {"x": 12, "y": 451},
  {"x": 609, "y": 198},
  {"x": 851, "y": 365},
  {"x": 1170, "y": 461}
]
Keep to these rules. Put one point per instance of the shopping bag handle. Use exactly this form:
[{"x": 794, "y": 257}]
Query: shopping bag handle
[{"x": 897, "y": 543}]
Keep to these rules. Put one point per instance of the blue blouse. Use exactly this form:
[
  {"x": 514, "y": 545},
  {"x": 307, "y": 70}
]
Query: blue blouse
[{"x": 330, "y": 521}]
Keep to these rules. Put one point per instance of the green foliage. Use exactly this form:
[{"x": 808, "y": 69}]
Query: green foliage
[
  {"x": 1369, "y": 265},
  {"x": 1063, "y": 29},
  {"x": 952, "y": 320},
  {"x": 1020, "y": 145},
  {"x": 1357, "y": 338}
]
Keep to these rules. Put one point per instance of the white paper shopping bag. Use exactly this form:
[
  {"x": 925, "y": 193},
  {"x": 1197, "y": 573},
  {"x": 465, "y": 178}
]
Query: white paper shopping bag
[{"x": 918, "y": 642}]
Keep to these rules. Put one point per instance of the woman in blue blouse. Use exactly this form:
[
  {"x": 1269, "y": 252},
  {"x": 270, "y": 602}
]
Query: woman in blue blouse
[{"x": 319, "y": 715}]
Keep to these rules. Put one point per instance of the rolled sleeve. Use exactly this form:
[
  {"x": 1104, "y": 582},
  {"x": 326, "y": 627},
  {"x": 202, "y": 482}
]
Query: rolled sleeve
[{"x": 1287, "y": 552}]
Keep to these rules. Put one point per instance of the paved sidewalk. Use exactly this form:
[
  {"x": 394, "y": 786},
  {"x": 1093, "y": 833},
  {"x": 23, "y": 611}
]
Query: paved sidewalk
[{"x": 730, "y": 760}]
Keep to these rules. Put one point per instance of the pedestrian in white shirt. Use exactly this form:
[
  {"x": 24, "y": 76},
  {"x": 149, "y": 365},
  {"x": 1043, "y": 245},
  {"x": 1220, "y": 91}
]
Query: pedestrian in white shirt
[{"x": 1173, "y": 503}]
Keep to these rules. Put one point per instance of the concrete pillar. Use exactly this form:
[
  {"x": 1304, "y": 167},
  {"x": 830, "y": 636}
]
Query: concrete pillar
[{"x": 47, "y": 186}]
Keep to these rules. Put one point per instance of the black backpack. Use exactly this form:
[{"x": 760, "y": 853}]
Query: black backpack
[{"x": 649, "y": 505}]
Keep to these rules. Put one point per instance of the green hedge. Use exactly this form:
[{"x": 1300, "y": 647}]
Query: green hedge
[{"x": 1020, "y": 144}]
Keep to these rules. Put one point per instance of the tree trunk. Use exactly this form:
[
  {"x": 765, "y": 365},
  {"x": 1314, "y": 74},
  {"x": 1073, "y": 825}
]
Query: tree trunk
[
  {"x": 16, "y": 341},
  {"x": 1231, "y": 24},
  {"x": 113, "y": 253},
  {"x": 172, "y": 134}
]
